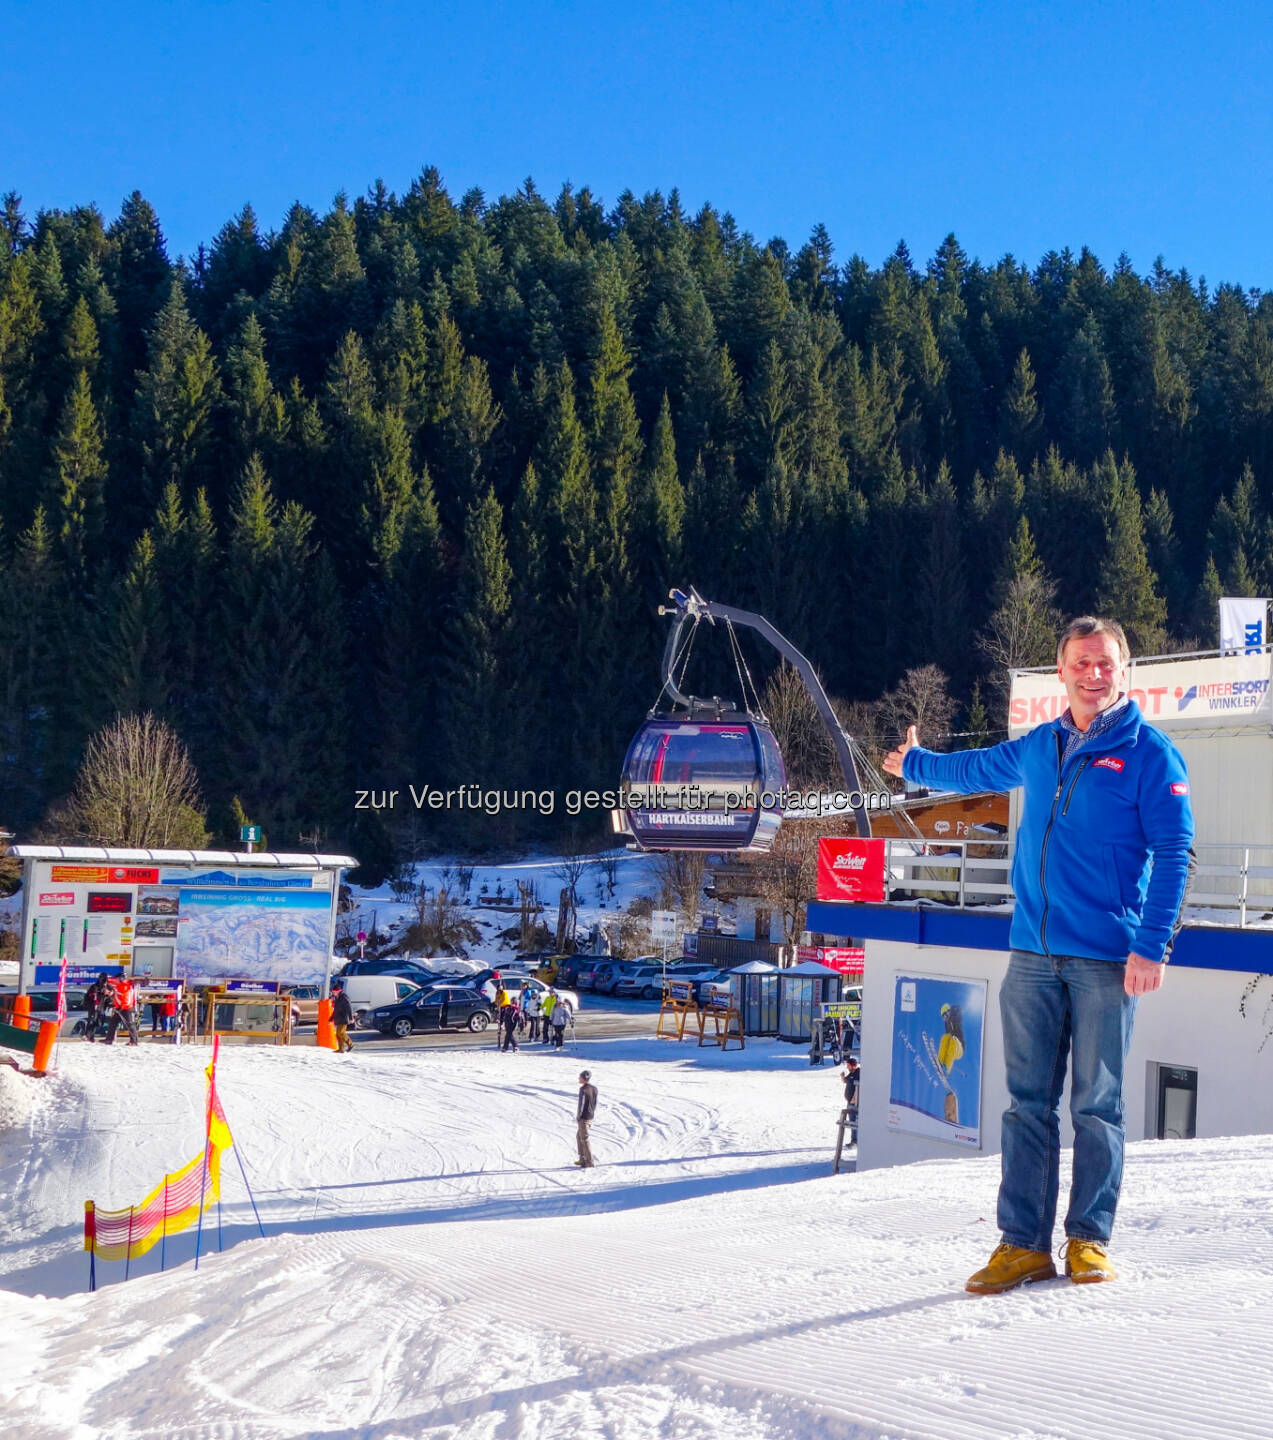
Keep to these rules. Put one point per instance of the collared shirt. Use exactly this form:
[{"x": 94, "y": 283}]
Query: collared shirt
[{"x": 1075, "y": 738}]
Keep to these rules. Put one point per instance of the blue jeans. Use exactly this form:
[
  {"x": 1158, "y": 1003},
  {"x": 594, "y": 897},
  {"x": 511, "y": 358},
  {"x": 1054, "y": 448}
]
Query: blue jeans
[{"x": 1054, "y": 1007}]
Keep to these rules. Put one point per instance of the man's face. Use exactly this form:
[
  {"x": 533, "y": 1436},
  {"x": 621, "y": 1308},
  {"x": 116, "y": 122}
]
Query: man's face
[{"x": 1093, "y": 674}]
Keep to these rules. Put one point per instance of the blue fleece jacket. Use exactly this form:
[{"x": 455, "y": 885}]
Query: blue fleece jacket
[{"x": 1103, "y": 847}]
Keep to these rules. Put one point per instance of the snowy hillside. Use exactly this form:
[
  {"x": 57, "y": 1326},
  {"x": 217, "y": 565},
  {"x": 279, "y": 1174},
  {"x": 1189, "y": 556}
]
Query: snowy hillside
[{"x": 433, "y": 1266}]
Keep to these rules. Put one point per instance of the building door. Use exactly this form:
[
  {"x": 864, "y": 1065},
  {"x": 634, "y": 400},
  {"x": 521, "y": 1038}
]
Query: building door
[
  {"x": 1177, "y": 1103},
  {"x": 153, "y": 960}
]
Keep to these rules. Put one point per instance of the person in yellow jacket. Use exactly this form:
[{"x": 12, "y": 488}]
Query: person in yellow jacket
[{"x": 546, "y": 1007}]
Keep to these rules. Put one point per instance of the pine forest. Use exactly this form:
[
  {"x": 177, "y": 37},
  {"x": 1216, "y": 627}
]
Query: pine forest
[{"x": 391, "y": 495}]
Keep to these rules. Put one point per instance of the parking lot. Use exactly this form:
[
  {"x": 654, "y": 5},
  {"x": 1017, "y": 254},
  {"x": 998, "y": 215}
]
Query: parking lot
[{"x": 599, "y": 1017}]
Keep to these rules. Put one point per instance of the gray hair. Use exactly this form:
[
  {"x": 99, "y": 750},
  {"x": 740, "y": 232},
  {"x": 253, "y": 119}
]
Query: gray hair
[{"x": 1087, "y": 625}]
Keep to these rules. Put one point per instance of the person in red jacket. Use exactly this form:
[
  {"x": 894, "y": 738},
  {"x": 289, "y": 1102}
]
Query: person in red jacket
[{"x": 125, "y": 1009}]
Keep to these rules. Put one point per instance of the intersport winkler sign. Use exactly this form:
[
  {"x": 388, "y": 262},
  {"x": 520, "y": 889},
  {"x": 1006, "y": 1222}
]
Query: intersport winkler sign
[{"x": 1221, "y": 690}]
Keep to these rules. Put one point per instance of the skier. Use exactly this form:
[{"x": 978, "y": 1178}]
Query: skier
[
  {"x": 547, "y": 1005},
  {"x": 531, "y": 1008},
  {"x": 124, "y": 999},
  {"x": 508, "y": 1024},
  {"x": 95, "y": 1006},
  {"x": 587, "y": 1108},
  {"x": 561, "y": 1018}
]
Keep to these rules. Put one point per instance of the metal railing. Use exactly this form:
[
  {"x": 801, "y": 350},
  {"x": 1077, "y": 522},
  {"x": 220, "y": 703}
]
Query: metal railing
[{"x": 1234, "y": 880}]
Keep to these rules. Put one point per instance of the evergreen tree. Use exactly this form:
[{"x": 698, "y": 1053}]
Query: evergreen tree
[
  {"x": 79, "y": 477},
  {"x": 1021, "y": 419},
  {"x": 34, "y": 763},
  {"x": 281, "y": 666},
  {"x": 257, "y": 416},
  {"x": 174, "y": 402},
  {"x": 476, "y": 718},
  {"x": 1128, "y": 586},
  {"x": 134, "y": 666}
]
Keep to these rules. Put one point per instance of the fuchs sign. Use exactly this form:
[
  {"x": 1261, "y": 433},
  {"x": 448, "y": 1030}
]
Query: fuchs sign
[{"x": 851, "y": 869}]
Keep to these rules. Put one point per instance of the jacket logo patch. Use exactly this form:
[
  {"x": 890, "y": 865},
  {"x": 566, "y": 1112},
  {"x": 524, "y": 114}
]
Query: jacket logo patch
[
  {"x": 1108, "y": 762},
  {"x": 1179, "y": 788}
]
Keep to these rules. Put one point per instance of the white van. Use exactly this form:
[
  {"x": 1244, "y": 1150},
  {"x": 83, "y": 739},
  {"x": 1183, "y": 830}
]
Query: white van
[{"x": 366, "y": 992}]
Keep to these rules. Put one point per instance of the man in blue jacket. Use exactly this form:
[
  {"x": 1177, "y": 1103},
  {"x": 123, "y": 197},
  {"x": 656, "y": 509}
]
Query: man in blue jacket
[{"x": 1103, "y": 853}]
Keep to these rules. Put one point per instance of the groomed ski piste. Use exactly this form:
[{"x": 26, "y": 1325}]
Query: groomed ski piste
[{"x": 434, "y": 1266}]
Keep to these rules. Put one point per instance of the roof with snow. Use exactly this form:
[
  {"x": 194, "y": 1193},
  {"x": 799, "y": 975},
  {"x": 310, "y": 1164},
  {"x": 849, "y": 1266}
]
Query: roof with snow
[{"x": 115, "y": 855}]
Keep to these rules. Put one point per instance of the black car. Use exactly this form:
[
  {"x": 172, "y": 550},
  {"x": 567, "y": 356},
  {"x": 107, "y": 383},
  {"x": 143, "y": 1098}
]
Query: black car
[{"x": 422, "y": 1010}]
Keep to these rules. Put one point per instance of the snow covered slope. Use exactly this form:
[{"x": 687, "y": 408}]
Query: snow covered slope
[{"x": 710, "y": 1278}]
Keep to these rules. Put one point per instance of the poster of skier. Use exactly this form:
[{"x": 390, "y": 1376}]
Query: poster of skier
[{"x": 935, "y": 1081}]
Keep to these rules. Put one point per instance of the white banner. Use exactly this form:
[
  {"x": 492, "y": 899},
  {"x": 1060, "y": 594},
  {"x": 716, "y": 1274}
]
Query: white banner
[
  {"x": 1244, "y": 624},
  {"x": 1223, "y": 690}
]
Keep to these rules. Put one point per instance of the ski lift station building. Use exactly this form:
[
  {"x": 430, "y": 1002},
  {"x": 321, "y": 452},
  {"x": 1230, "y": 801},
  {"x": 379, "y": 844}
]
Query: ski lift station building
[{"x": 937, "y": 949}]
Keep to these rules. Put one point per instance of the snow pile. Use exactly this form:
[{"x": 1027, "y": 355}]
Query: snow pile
[
  {"x": 435, "y": 1267},
  {"x": 17, "y": 1098}
]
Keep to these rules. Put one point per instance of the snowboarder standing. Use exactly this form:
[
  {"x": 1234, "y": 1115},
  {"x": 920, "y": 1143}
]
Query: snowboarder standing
[{"x": 587, "y": 1108}]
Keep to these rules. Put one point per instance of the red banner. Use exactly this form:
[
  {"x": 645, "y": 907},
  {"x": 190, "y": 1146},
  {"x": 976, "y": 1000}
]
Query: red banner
[
  {"x": 851, "y": 869},
  {"x": 847, "y": 959},
  {"x": 105, "y": 874}
]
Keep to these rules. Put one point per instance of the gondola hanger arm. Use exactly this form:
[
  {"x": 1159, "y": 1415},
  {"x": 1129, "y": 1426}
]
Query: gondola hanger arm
[{"x": 692, "y": 606}]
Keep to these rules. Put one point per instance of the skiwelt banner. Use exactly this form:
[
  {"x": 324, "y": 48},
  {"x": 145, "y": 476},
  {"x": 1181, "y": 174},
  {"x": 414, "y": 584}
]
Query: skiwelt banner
[
  {"x": 851, "y": 869},
  {"x": 1207, "y": 694}
]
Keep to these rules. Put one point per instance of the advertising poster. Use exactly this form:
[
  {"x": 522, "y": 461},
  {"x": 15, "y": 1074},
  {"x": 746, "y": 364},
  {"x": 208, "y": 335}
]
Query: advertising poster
[
  {"x": 935, "y": 1081},
  {"x": 1225, "y": 690},
  {"x": 851, "y": 870},
  {"x": 252, "y": 934}
]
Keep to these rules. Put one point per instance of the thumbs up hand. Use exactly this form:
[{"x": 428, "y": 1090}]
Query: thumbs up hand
[{"x": 893, "y": 760}]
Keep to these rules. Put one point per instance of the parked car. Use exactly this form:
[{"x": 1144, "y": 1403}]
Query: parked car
[
  {"x": 422, "y": 1010},
  {"x": 715, "y": 992},
  {"x": 569, "y": 967},
  {"x": 643, "y": 980},
  {"x": 704, "y": 974},
  {"x": 586, "y": 977},
  {"x": 608, "y": 975},
  {"x": 391, "y": 965},
  {"x": 704, "y": 982},
  {"x": 367, "y": 992},
  {"x": 305, "y": 1000},
  {"x": 42, "y": 1000}
]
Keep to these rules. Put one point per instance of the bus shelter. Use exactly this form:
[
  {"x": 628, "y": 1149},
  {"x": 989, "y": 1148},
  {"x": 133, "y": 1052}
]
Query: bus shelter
[
  {"x": 755, "y": 993},
  {"x": 801, "y": 990}
]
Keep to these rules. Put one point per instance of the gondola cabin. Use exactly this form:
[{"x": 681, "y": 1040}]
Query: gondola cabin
[{"x": 703, "y": 785}]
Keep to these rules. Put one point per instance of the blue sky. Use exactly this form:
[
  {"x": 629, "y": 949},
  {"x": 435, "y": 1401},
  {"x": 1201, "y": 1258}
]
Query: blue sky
[{"x": 1022, "y": 127}]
